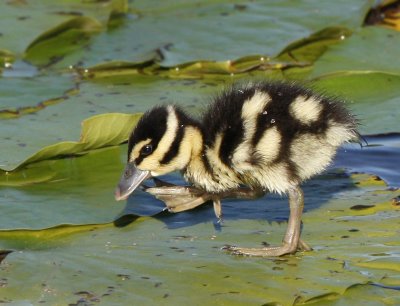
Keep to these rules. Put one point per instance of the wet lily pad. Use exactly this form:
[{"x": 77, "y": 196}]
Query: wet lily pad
[
  {"x": 84, "y": 185},
  {"x": 311, "y": 48},
  {"x": 372, "y": 96},
  {"x": 369, "y": 49},
  {"x": 65, "y": 38},
  {"x": 36, "y": 94},
  {"x": 67, "y": 241},
  {"x": 23, "y": 21},
  {"x": 159, "y": 262},
  {"x": 301, "y": 53},
  {"x": 247, "y": 29},
  {"x": 107, "y": 96},
  {"x": 98, "y": 131}
]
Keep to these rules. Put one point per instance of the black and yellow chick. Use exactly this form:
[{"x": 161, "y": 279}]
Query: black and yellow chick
[{"x": 267, "y": 136}]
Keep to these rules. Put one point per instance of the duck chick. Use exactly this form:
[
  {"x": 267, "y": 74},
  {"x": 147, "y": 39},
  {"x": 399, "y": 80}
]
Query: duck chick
[{"x": 268, "y": 136}]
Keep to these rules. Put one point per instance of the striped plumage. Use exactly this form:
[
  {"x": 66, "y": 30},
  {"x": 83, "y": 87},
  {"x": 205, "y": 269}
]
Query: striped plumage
[{"x": 270, "y": 136}]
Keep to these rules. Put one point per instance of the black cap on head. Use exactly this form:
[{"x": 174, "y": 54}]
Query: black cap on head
[{"x": 152, "y": 125}]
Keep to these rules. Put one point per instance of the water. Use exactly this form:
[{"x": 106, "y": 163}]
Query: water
[{"x": 380, "y": 157}]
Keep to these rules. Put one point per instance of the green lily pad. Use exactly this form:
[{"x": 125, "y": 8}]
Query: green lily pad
[
  {"x": 372, "y": 96},
  {"x": 36, "y": 93},
  {"x": 65, "y": 38},
  {"x": 248, "y": 29},
  {"x": 191, "y": 70},
  {"x": 76, "y": 191},
  {"x": 369, "y": 294},
  {"x": 125, "y": 258},
  {"x": 369, "y": 49},
  {"x": 57, "y": 239},
  {"x": 386, "y": 263},
  {"x": 98, "y": 131},
  {"x": 311, "y": 48},
  {"x": 23, "y": 21},
  {"x": 61, "y": 122},
  {"x": 156, "y": 259},
  {"x": 301, "y": 54},
  {"x": 32, "y": 174},
  {"x": 45, "y": 238}
]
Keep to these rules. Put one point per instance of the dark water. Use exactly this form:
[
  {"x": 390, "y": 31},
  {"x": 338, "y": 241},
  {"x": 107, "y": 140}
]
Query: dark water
[{"x": 380, "y": 157}]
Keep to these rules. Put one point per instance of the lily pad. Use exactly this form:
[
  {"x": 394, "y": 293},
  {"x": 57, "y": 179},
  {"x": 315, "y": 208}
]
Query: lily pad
[
  {"x": 248, "y": 29},
  {"x": 369, "y": 49},
  {"x": 66, "y": 239},
  {"x": 301, "y": 53},
  {"x": 99, "y": 131},
  {"x": 62, "y": 120},
  {"x": 65, "y": 38},
  {"x": 76, "y": 191},
  {"x": 23, "y": 21},
  {"x": 373, "y": 96},
  {"x": 36, "y": 93},
  {"x": 311, "y": 48},
  {"x": 149, "y": 263},
  {"x": 191, "y": 70}
]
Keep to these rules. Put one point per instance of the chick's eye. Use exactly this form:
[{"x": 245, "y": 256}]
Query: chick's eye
[{"x": 146, "y": 150}]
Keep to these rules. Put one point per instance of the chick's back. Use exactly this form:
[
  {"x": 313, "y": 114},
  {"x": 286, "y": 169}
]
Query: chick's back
[{"x": 274, "y": 134}]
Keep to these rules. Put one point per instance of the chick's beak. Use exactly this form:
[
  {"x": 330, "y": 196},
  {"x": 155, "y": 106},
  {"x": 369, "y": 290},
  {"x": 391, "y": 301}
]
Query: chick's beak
[{"x": 130, "y": 180}]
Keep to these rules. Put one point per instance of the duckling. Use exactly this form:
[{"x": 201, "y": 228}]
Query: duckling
[{"x": 253, "y": 138}]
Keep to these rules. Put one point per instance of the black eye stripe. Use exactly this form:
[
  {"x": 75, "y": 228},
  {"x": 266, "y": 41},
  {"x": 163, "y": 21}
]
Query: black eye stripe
[
  {"x": 145, "y": 151},
  {"x": 174, "y": 148}
]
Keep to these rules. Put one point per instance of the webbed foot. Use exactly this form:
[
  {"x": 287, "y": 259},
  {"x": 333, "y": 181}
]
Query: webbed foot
[{"x": 284, "y": 249}]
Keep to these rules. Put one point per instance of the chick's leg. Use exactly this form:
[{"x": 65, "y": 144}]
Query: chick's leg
[
  {"x": 179, "y": 198},
  {"x": 291, "y": 241},
  {"x": 182, "y": 198}
]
